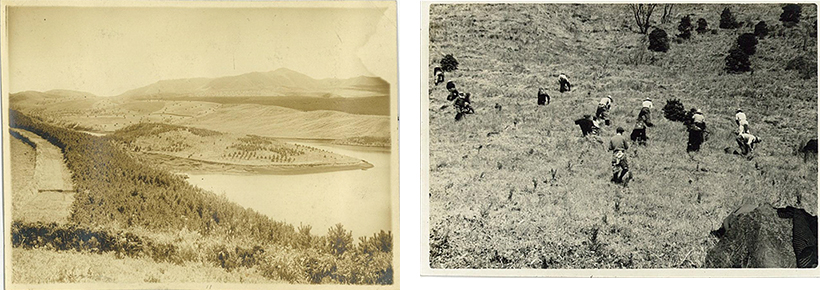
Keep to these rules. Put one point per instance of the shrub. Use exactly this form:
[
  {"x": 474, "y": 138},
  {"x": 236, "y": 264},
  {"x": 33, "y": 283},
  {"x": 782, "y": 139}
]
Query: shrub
[
  {"x": 805, "y": 66},
  {"x": 449, "y": 63},
  {"x": 761, "y": 29},
  {"x": 339, "y": 240},
  {"x": 747, "y": 42},
  {"x": 685, "y": 27},
  {"x": 674, "y": 111},
  {"x": 737, "y": 62},
  {"x": 658, "y": 41},
  {"x": 790, "y": 15},
  {"x": 702, "y": 26},
  {"x": 727, "y": 20}
]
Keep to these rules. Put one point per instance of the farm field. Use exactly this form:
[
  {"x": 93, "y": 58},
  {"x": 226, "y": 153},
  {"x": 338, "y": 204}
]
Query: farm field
[{"x": 515, "y": 185}]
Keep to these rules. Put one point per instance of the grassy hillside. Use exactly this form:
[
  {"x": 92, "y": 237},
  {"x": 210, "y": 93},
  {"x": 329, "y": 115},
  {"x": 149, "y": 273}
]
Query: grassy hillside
[
  {"x": 137, "y": 210},
  {"x": 518, "y": 187}
]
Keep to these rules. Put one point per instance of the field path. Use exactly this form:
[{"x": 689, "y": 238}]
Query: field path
[{"x": 53, "y": 193}]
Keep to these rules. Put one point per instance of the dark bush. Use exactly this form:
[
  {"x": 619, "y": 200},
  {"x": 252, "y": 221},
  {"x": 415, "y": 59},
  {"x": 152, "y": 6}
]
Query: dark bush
[
  {"x": 658, "y": 41},
  {"x": 685, "y": 27},
  {"x": 737, "y": 62},
  {"x": 674, "y": 111},
  {"x": 790, "y": 15},
  {"x": 805, "y": 66},
  {"x": 449, "y": 63},
  {"x": 702, "y": 26},
  {"x": 761, "y": 29},
  {"x": 727, "y": 20},
  {"x": 747, "y": 42}
]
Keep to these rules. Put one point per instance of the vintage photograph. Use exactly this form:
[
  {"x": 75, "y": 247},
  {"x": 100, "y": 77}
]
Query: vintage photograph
[
  {"x": 619, "y": 136},
  {"x": 214, "y": 143}
]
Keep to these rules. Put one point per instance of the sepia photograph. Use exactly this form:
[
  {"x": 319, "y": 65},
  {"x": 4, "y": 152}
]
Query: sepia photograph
[
  {"x": 615, "y": 140},
  {"x": 167, "y": 144}
]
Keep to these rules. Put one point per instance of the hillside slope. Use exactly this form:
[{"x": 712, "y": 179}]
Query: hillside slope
[{"x": 520, "y": 188}]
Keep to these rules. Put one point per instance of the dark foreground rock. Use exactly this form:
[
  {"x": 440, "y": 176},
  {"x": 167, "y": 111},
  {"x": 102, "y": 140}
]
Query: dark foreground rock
[{"x": 753, "y": 237}]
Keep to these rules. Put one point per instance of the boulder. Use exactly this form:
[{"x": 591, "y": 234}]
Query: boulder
[{"x": 753, "y": 237}]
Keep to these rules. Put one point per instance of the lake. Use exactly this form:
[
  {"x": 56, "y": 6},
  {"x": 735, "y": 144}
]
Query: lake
[{"x": 359, "y": 199}]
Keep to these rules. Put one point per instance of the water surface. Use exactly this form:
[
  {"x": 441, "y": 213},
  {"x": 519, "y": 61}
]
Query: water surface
[{"x": 359, "y": 199}]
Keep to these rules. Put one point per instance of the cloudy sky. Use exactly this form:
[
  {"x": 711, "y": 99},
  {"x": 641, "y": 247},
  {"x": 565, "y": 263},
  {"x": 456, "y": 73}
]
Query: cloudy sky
[{"x": 107, "y": 51}]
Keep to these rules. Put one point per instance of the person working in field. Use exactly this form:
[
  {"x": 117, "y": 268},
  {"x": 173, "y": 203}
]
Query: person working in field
[
  {"x": 618, "y": 145},
  {"x": 639, "y": 131},
  {"x": 451, "y": 87},
  {"x": 564, "y": 84},
  {"x": 646, "y": 106},
  {"x": 742, "y": 123},
  {"x": 747, "y": 143},
  {"x": 588, "y": 126},
  {"x": 696, "y": 129},
  {"x": 439, "y": 75},
  {"x": 543, "y": 97},
  {"x": 462, "y": 105},
  {"x": 603, "y": 109}
]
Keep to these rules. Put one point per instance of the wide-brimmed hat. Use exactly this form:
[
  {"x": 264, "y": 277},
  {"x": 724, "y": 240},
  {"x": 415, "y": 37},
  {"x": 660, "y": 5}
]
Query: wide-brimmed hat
[
  {"x": 647, "y": 99},
  {"x": 698, "y": 111},
  {"x": 739, "y": 110},
  {"x": 610, "y": 97}
]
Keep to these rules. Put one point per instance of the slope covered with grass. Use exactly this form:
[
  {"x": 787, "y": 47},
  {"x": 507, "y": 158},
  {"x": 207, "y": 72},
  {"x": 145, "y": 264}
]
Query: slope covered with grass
[{"x": 518, "y": 187}]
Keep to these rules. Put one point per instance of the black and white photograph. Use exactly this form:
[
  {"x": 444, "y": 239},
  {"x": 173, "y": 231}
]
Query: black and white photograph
[
  {"x": 565, "y": 139},
  {"x": 167, "y": 144}
]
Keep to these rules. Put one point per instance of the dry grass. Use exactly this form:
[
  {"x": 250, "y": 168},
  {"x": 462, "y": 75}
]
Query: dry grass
[
  {"x": 44, "y": 266},
  {"x": 519, "y": 188}
]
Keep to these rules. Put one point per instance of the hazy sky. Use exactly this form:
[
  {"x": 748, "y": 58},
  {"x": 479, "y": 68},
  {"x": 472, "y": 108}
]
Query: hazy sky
[{"x": 107, "y": 51}]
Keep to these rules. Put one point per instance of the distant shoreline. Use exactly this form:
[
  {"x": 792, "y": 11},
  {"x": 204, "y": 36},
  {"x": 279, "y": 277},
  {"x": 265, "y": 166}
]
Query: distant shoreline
[{"x": 196, "y": 166}]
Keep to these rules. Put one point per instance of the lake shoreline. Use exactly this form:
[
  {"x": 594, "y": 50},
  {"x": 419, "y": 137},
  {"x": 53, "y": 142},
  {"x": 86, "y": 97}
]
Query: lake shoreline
[{"x": 191, "y": 166}]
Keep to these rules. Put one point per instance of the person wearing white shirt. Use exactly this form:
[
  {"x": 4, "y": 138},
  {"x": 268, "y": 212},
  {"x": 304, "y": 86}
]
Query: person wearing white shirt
[
  {"x": 563, "y": 81},
  {"x": 603, "y": 109}
]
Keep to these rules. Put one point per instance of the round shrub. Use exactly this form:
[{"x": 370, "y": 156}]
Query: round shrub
[
  {"x": 674, "y": 111},
  {"x": 737, "y": 62},
  {"x": 727, "y": 20},
  {"x": 761, "y": 29},
  {"x": 747, "y": 42},
  {"x": 658, "y": 40},
  {"x": 790, "y": 15},
  {"x": 448, "y": 63},
  {"x": 702, "y": 26},
  {"x": 685, "y": 27}
]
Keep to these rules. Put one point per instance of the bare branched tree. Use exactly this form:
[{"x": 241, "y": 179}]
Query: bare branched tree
[
  {"x": 642, "y": 13},
  {"x": 667, "y": 13}
]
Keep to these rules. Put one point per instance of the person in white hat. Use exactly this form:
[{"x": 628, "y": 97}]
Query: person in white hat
[
  {"x": 603, "y": 109},
  {"x": 563, "y": 81},
  {"x": 696, "y": 131},
  {"x": 646, "y": 106},
  {"x": 747, "y": 143}
]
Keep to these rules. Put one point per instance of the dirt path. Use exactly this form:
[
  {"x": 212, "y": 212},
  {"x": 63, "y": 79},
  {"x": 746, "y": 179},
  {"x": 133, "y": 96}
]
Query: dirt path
[{"x": 53, "y": 192}]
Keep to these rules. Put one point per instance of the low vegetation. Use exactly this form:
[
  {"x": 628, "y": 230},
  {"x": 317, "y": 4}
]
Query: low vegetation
[
  {"x": 515, "y": 185},
  {"x": 126, "y": 207}
]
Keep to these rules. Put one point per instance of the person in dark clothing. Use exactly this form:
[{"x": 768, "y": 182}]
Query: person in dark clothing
[
  {"x": 451, "y": 87},
  {"x": 564, "y": 84},
  {"x": 543, "y": 97},
  {"x": 587, "y": 125},
  {"x": 696, "y": 129},
  {"x": 639, "y": 132},
  {"x": 439, "y": 75},
  {"x": 804, "y": 235},
  {"x": 463, "y": 107},
  {"x": 618, "y": 145}
]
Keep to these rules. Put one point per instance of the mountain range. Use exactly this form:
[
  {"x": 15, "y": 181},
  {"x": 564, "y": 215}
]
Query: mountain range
[{"x": 278, "y": 83}]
